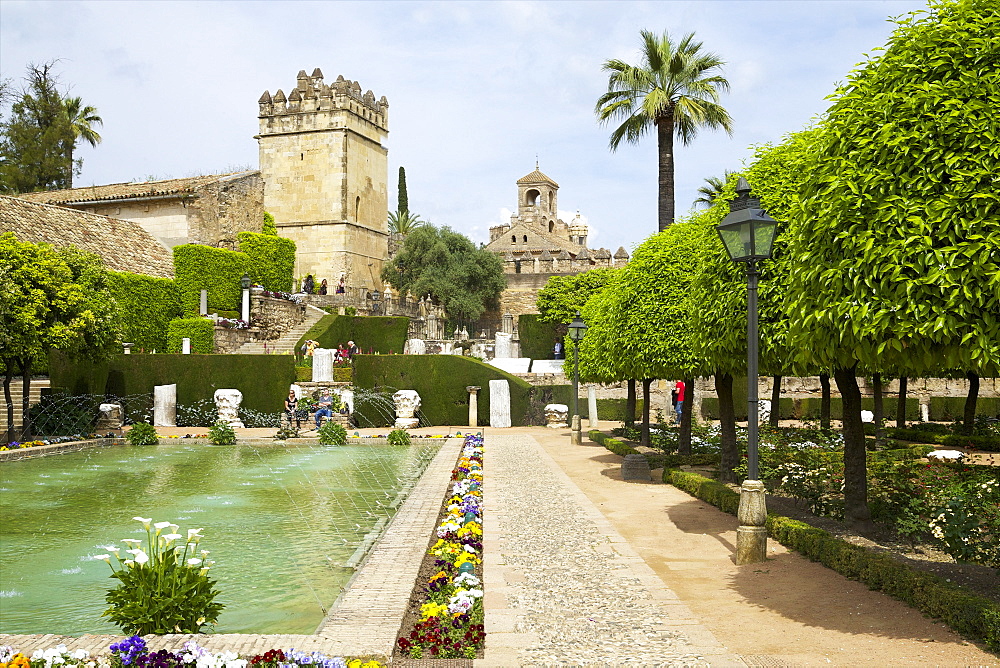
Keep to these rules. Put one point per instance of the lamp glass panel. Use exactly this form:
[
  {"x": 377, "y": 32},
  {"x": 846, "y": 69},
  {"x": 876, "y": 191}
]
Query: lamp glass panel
[
  {"x": 764, "y": 233},
  {"x": 737, "y": 240}
]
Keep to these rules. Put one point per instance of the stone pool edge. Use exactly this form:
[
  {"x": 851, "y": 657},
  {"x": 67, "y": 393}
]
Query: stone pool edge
[{"x": 362, "y": 621}]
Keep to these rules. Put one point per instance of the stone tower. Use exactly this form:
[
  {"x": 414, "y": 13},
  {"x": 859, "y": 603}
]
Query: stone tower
[
  {"x": 536, "y": 200},
  {"x": 325, "y": 173}
]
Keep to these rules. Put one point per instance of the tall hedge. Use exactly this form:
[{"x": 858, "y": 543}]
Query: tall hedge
[
  {"x": 537, "y": 338},
  {"x": 440, "y": 380},
  {"x": 263, "y": 379},
  {"x": 380, "y": 334},
  {"x": 201, "y": 331},
  {"x": 217, "y": 270},
  {"x": 270, "y": 259},
  {"x": 146, "y": 304}
]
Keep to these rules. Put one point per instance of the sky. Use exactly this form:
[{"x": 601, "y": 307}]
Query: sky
[{"x": 477, "y": 90}]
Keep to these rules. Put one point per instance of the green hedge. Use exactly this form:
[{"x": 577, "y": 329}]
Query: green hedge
[
  {"x": 990, "y": 443},
  {"x": 270, "y": 260},
  {"x": 263, "y": 379},
  {"x": 441, "y": 381},
  {"x": 537, "y": 338},
  {"x": 147, "y": 305},
  {"x": 612, "y": 444},
  {"x": 809, "y": 408},
  {"x": 76, "y": 376},
  {"x": 614, "y": 409},
  {"x": 949, "y": 409},
  {"x": 217, "y": 270},
  {"x": 562, "y": 394},
  {"x": 381, "y": 334},
  {"x": 201, "y": 331},
  {"x": 972, "y": 616},
  {"x": 341, "y": 374}
]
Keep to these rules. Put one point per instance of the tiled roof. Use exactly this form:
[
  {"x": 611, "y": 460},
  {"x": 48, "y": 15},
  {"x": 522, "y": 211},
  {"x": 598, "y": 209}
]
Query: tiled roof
[
  {"x": 122, "y": 244},
  {"x": 538, "y": 240},
  {"x": 537, "y": 177},
  {"x": 124, "y": 191}
]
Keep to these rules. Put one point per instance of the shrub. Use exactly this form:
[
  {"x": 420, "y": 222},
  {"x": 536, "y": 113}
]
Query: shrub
[
  {"x": 142, "y": 433},
  {"x": 399, "y": 437},
  {"x": 217, "y": 270},
  {"x": 382, "y": 334},
  {"x": 537, "y": 337},
  {"x": 163, "y": 588},
  {"x": 221, "y": 433},
  {"x": 60, "y": 415},
  {"x": 270, "y": 260},
  {"x": 146, "y": 306},
  {"x": 201, "y": 331},
  {"x": 269, "y": 226},
  {"x": 331, "y": 433}
]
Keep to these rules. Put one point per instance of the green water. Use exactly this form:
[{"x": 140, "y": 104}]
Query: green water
[{"x": 279, "y": 522}]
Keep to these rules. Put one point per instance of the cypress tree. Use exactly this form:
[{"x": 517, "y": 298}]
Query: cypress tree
[{"x": 402, "y": 203}]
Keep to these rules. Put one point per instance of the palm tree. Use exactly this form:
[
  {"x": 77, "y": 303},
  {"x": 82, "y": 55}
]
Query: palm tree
[
  {"x": 404, "y": 222},
  {"x": 81, "y": 122},
  {"x": 712, "y": 189},
  {"x": 676, "y": 90}
]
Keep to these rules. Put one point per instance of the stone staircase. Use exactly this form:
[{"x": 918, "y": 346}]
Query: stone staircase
[
  {"x": 285, "y": 344},
  {"x": 35, "y": 393}
]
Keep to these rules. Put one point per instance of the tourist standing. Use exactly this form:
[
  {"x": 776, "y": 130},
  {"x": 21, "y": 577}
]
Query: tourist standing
[
  {"x": 341, "y": 286},
  {"x": 291, "y": 406},
  {"x": 352, "y": 350},
  {"x": 679, "y": 406},
  {"x": 557, "y": 351},
  {"x": 322, "y": 287}
]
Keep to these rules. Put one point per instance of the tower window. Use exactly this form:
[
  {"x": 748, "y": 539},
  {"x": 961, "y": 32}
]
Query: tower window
[
  {"x": 513, "y": 238},
  {"x": 531, "y": 197},
  {"x": 357, "y": 209},
  {"x": 525, "y": 238},
  {"x": 552, "y": 226}
]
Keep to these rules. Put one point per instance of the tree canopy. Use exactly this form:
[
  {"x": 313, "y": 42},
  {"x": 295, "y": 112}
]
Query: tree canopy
[
  {"x": 563, "y": 296},
  {"x": 447, "y": 265}
]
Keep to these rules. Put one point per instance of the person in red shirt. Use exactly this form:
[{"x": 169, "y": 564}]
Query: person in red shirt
[{"x": 679, "y": 406}]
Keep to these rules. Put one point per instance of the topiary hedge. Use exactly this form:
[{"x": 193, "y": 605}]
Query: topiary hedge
[
  {"x": 612, "y": 444},
  {"x": 990, "y": 443},
  {"x": 76, "y": 376},
  {"x": 538, "y": 338},
  {"x": 971, "y": 615},
  {"x": 614, "y": 409},
  {"x": 270, "y": 260},
  {"x": 441, "y": 381},
  {"x": 201, "y": 331},
  {"x": 146, "y": 304},
  {"x": 263, "y": 379},
  {"x": 381, "y": 334},
  {"x": 808, "y": 408},
  {"x": 198, "y": 267},
  {"x": 949, "y": 409}
]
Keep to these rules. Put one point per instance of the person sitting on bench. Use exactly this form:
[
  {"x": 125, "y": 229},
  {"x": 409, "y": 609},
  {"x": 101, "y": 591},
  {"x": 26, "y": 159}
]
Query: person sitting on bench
[
  {"x": 325, "y": 408},
  {"x": 291, "y": 403}
]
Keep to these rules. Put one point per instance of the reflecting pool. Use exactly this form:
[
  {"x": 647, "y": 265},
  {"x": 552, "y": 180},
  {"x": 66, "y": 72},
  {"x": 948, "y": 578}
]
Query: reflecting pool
[{"x": 280, "y": 521}]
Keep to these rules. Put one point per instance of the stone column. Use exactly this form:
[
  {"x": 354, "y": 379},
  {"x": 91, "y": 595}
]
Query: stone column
[
  {"x": 203, "y": 303},
  {"x": 246, "y": 306},
  {"x": 751, "y": 536},
  {"x": 576, "y": 438},
  {"x": 186, "y": 346},
  {"x": 499, "y": 404},
  {"x": 592, "y": 406},
  {"x": 165, "y": 406},
  {"x": 473, "y": 391},
  {"x": 507, "y": 325}
]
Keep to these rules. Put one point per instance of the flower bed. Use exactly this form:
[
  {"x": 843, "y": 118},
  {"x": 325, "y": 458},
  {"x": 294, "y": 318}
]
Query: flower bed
[
  {"x": 16, "y": 445},
  {"x": 134, "y": 652},
  {"x": 451, "y": 616}
]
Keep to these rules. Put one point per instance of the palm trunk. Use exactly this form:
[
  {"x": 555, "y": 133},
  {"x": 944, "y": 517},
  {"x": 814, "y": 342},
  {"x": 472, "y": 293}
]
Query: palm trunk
[
  {"x": 644, "y": 438},
  {"x": 969, "y": 419},
  {"x": 856, "y": 511},
  {"x": 630, "y": 404},
  {"x": 684, "y": 437},
  {"x": 8, "y": 376},
  {"x": 901, "y": 404},
  {"x": 730, "y": 454},
  {"x": 879, "y": 409},
  {"x": 775, "y": 401},
  {"x": 665, "y": 146},
  {"x": 824, "y": 402}
]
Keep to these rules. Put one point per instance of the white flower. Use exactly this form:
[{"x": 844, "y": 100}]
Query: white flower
[
  {"x": 194, "y": 561},
  {"x": 145, "y": 520},
  {"x": 103, "y": 557},
  {"x": 129, "y": 563},
  {"x": 81, "y": 654},
  {"x": 170, "y": 537},
  {"x": 141, "y": 557},
  {"x": 194, "y": 534},
  {"x": 160, "y": 526},
  {"x": 131, "y": 541}
]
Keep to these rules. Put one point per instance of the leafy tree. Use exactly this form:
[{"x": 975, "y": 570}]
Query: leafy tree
[
  {"x": 563, "y": 296},
  {"x": 897, "y": 243},
  {"x": 448, "y": 266},
  {"x": 675, "y": 89},
  {"x": 49, "y": 299},
  {"x": 82, "y": 119}
]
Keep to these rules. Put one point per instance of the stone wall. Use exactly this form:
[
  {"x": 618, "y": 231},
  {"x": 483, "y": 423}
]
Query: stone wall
[
  {"x": 229, "y": 340},
  {"x": 273, "y": 317},
  {"x": 225, "y": 207}
]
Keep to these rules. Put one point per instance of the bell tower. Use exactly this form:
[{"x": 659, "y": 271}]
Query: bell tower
[{"x": 537, "y": 200}]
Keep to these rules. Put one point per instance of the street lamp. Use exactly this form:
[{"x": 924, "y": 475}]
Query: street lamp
[
  {"x": 245, "y": 283},
  {"x": 747, "y": 233},
  {"x": 577, "y": 330}
]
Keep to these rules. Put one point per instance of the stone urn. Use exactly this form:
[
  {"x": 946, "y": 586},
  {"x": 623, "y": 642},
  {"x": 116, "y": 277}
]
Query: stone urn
[
  {"x": 407, "y": 404},
  {"x": 228, "y": 401},
  {"x": 556, "y": 416}
]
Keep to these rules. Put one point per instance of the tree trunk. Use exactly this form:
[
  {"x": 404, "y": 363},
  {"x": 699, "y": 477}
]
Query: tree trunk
[
  {"x": 775, "y": 401},
  {"x": 856, "y": 512},
  {"x": 824, "y": 402},
  {"x": 630, "y": 404},
  {"x": 25, "y": 399},
  {"x": 901, "y": 404},
  {"x": 687, "y": 411},
  {"x": 665, "y": 146},
  {"x": 878, "y": 409},
  {"x": 727, "y": 422},
  {"x": 9, "y": 376},
  {"x": 644, "y": 438},
  {"x": 969, "y": 419}
]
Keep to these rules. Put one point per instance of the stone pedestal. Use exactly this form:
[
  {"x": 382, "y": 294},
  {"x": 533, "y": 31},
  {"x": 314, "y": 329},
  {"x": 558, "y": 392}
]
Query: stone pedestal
[
  {"x": 556, "y": 416},
  {"x": 227, "y": 402},
  {"x": 473, "y": 391},
  {"x": 751, "y": 536},
  {"x": 576, "y": 438},
  {"x": 407, "y": 402},
  {"x": 592, "y": 406},
  {"x": 245, "y": 311},
  {"x": 203, "y": 303},
  {"x": 322, "y": 369},
  {"x": 415, "y": 347},
  {"x": 499, "y": 404},
  {"x": 186, "y": 346},
  {"x": 165, "y": 406},
  {"x": 110, "y": 420},
  {"x": 502, "y": 345},
  {"x": 636, "y": 467}
]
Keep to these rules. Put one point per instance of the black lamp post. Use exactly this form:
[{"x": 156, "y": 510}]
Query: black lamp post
[
  {"x": 747, "y": 233},
  {"x": 245, "y": 282},
  {"x": 577, "y": 330}
]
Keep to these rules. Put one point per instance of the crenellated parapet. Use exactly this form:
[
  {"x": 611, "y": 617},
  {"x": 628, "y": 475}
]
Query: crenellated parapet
[
  {"x": 526, "y": 262},
  {"x": 314, "y": 105}
]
